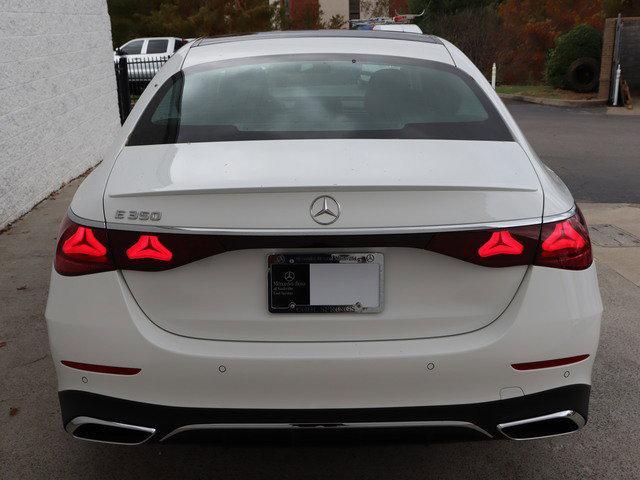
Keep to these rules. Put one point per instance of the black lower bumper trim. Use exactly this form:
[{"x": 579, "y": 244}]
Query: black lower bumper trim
[{"x": 166, "y": 419}]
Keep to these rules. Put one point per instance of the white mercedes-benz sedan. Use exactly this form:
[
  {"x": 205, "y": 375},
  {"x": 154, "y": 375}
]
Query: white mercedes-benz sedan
[{"x": 331, "y": 231}]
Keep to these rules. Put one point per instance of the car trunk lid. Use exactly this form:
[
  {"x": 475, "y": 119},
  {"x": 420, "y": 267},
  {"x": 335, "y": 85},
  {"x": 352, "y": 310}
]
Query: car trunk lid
[{"x": 253, "y": 189}]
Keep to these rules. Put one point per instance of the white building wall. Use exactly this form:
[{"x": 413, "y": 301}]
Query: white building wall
[
  {"x": 335, "y": 7},
  {"x": 58, "y": 101}
]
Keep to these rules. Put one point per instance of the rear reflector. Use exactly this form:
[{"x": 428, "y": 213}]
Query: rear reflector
[
  {"x": 549, "y": 363},
  {"x": 90, "y": 367}
]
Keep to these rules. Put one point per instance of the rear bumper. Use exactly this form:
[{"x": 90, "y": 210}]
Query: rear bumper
[
  {"x": 558, "y": 411},
  {"x": 93, "y": 319}
]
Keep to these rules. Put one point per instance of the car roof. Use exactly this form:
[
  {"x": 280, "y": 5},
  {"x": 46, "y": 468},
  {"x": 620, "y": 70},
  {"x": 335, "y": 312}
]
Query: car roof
[
  {"x": 358, "y": 42},
  {"x": 151, "y": 38},
  {"x": 399, "y": 27},
  {"x": 381, "y": 34}
]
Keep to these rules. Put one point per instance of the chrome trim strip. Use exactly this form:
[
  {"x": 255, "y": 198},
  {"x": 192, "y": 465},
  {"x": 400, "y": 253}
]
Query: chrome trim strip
[
  {"x": 73, "y": 425},
  {"x": 560, "y": 216},
  {"x": 323, "y": 231},
  {"x": 575, "y": 417},
  {"x": 281, "y": 426},
  {"x": 322, "y": 189},
  {"x": 84, "y": 221},
  {"x": 146, "y": 227}
]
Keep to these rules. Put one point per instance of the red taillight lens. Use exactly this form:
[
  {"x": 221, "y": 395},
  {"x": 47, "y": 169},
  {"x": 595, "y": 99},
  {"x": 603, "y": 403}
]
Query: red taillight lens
[
  {"x": 501, "y": 243},
  {"x": 563, "y": 237},
  {"x": 149, "y": 246},
  {"x": 84, "y": 242},
  {"x": 490, "y": 248},
  {"x": 81, "y": 250},
  {"x": 153, "y": 252},
  {"x": 565, "y": 244}
]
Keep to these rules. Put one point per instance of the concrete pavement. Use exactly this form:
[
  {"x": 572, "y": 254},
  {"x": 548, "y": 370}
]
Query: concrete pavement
[{"x": 624, "y": 259}]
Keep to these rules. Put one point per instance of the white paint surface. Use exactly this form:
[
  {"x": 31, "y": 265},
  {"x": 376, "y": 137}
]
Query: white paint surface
[{"x": 345, "y": 284}]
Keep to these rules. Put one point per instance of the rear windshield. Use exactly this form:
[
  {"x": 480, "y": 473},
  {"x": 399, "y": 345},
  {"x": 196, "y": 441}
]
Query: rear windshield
[{"x": 295, "y": 96}]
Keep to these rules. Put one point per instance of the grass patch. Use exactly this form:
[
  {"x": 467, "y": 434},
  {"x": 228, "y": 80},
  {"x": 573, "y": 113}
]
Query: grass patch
[{"x": 544, "y": 91}]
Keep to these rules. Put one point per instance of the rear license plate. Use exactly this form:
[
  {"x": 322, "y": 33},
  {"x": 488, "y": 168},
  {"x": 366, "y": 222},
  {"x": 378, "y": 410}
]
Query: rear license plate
[{"x": 326, "y": 283}]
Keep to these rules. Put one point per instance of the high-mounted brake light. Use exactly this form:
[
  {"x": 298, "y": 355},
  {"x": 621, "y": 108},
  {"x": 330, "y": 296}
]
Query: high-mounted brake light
[
  {"x": 150, "y": 247},
  {"x": 501, "y": 243},
  {"x": 81, "y": 250}
]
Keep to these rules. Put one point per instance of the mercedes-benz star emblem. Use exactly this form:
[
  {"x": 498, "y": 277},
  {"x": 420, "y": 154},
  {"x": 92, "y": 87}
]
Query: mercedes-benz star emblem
[
  {"x": 289, "y": 276},
  {"x": 325, "y": 210}
]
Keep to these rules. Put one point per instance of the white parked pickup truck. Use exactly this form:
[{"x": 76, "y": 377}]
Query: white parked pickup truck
[
  {"x": 146, "y": 55},
  {"x": 150, "y": 47}
]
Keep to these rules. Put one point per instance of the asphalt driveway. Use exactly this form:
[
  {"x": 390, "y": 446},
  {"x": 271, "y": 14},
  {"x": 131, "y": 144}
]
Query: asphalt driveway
[
  {"x": 33, "y": 445},
  {"x": 595, "y": 154}
]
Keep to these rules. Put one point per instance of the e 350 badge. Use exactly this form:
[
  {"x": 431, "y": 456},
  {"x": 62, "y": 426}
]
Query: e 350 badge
[{"x": 136, "y": 215}]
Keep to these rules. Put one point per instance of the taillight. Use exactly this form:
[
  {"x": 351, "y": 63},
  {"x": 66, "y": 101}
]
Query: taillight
[
  {"x": 501, "y": 243},
  {"x": 81, "y": 250},
  {"x": 495, "y": 248},
  {"x": 149, "y": 246},
  {"x": 565, "y": 244},
  {"x": 162, "y": 251}
]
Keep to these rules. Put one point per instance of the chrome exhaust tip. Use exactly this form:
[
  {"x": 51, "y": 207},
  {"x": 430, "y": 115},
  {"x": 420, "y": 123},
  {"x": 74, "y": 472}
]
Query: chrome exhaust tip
[
  {"x": 552, "y": 425},
  {"x": 95, "y": 430}
]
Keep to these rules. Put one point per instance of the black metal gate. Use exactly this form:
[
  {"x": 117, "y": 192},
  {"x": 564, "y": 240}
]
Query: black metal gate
[{"x": 132, "y": 77}]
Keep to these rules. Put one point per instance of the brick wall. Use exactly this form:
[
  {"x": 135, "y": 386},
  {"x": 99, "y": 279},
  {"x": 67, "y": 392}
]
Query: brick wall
[
  {"x": 58, "y": 104},
  {"x": 630, "y": 52},
  {"x": 608, "y": 40}
]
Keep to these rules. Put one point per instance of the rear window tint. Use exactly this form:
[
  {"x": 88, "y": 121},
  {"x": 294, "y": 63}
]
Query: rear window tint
[{"x": 302, "y": 96}]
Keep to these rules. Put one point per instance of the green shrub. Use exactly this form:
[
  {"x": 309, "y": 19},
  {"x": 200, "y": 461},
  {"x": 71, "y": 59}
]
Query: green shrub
[{"x": 581, "y": 41}]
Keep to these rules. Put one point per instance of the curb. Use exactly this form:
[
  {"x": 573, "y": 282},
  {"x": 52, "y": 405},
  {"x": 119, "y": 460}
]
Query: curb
[
  {"x": 554, "y": 102},
  {"x": 623, "y": 111}
]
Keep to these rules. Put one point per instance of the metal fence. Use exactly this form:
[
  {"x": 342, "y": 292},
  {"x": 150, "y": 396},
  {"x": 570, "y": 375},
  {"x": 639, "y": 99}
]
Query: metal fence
[{"x": 132, "y": 77}]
